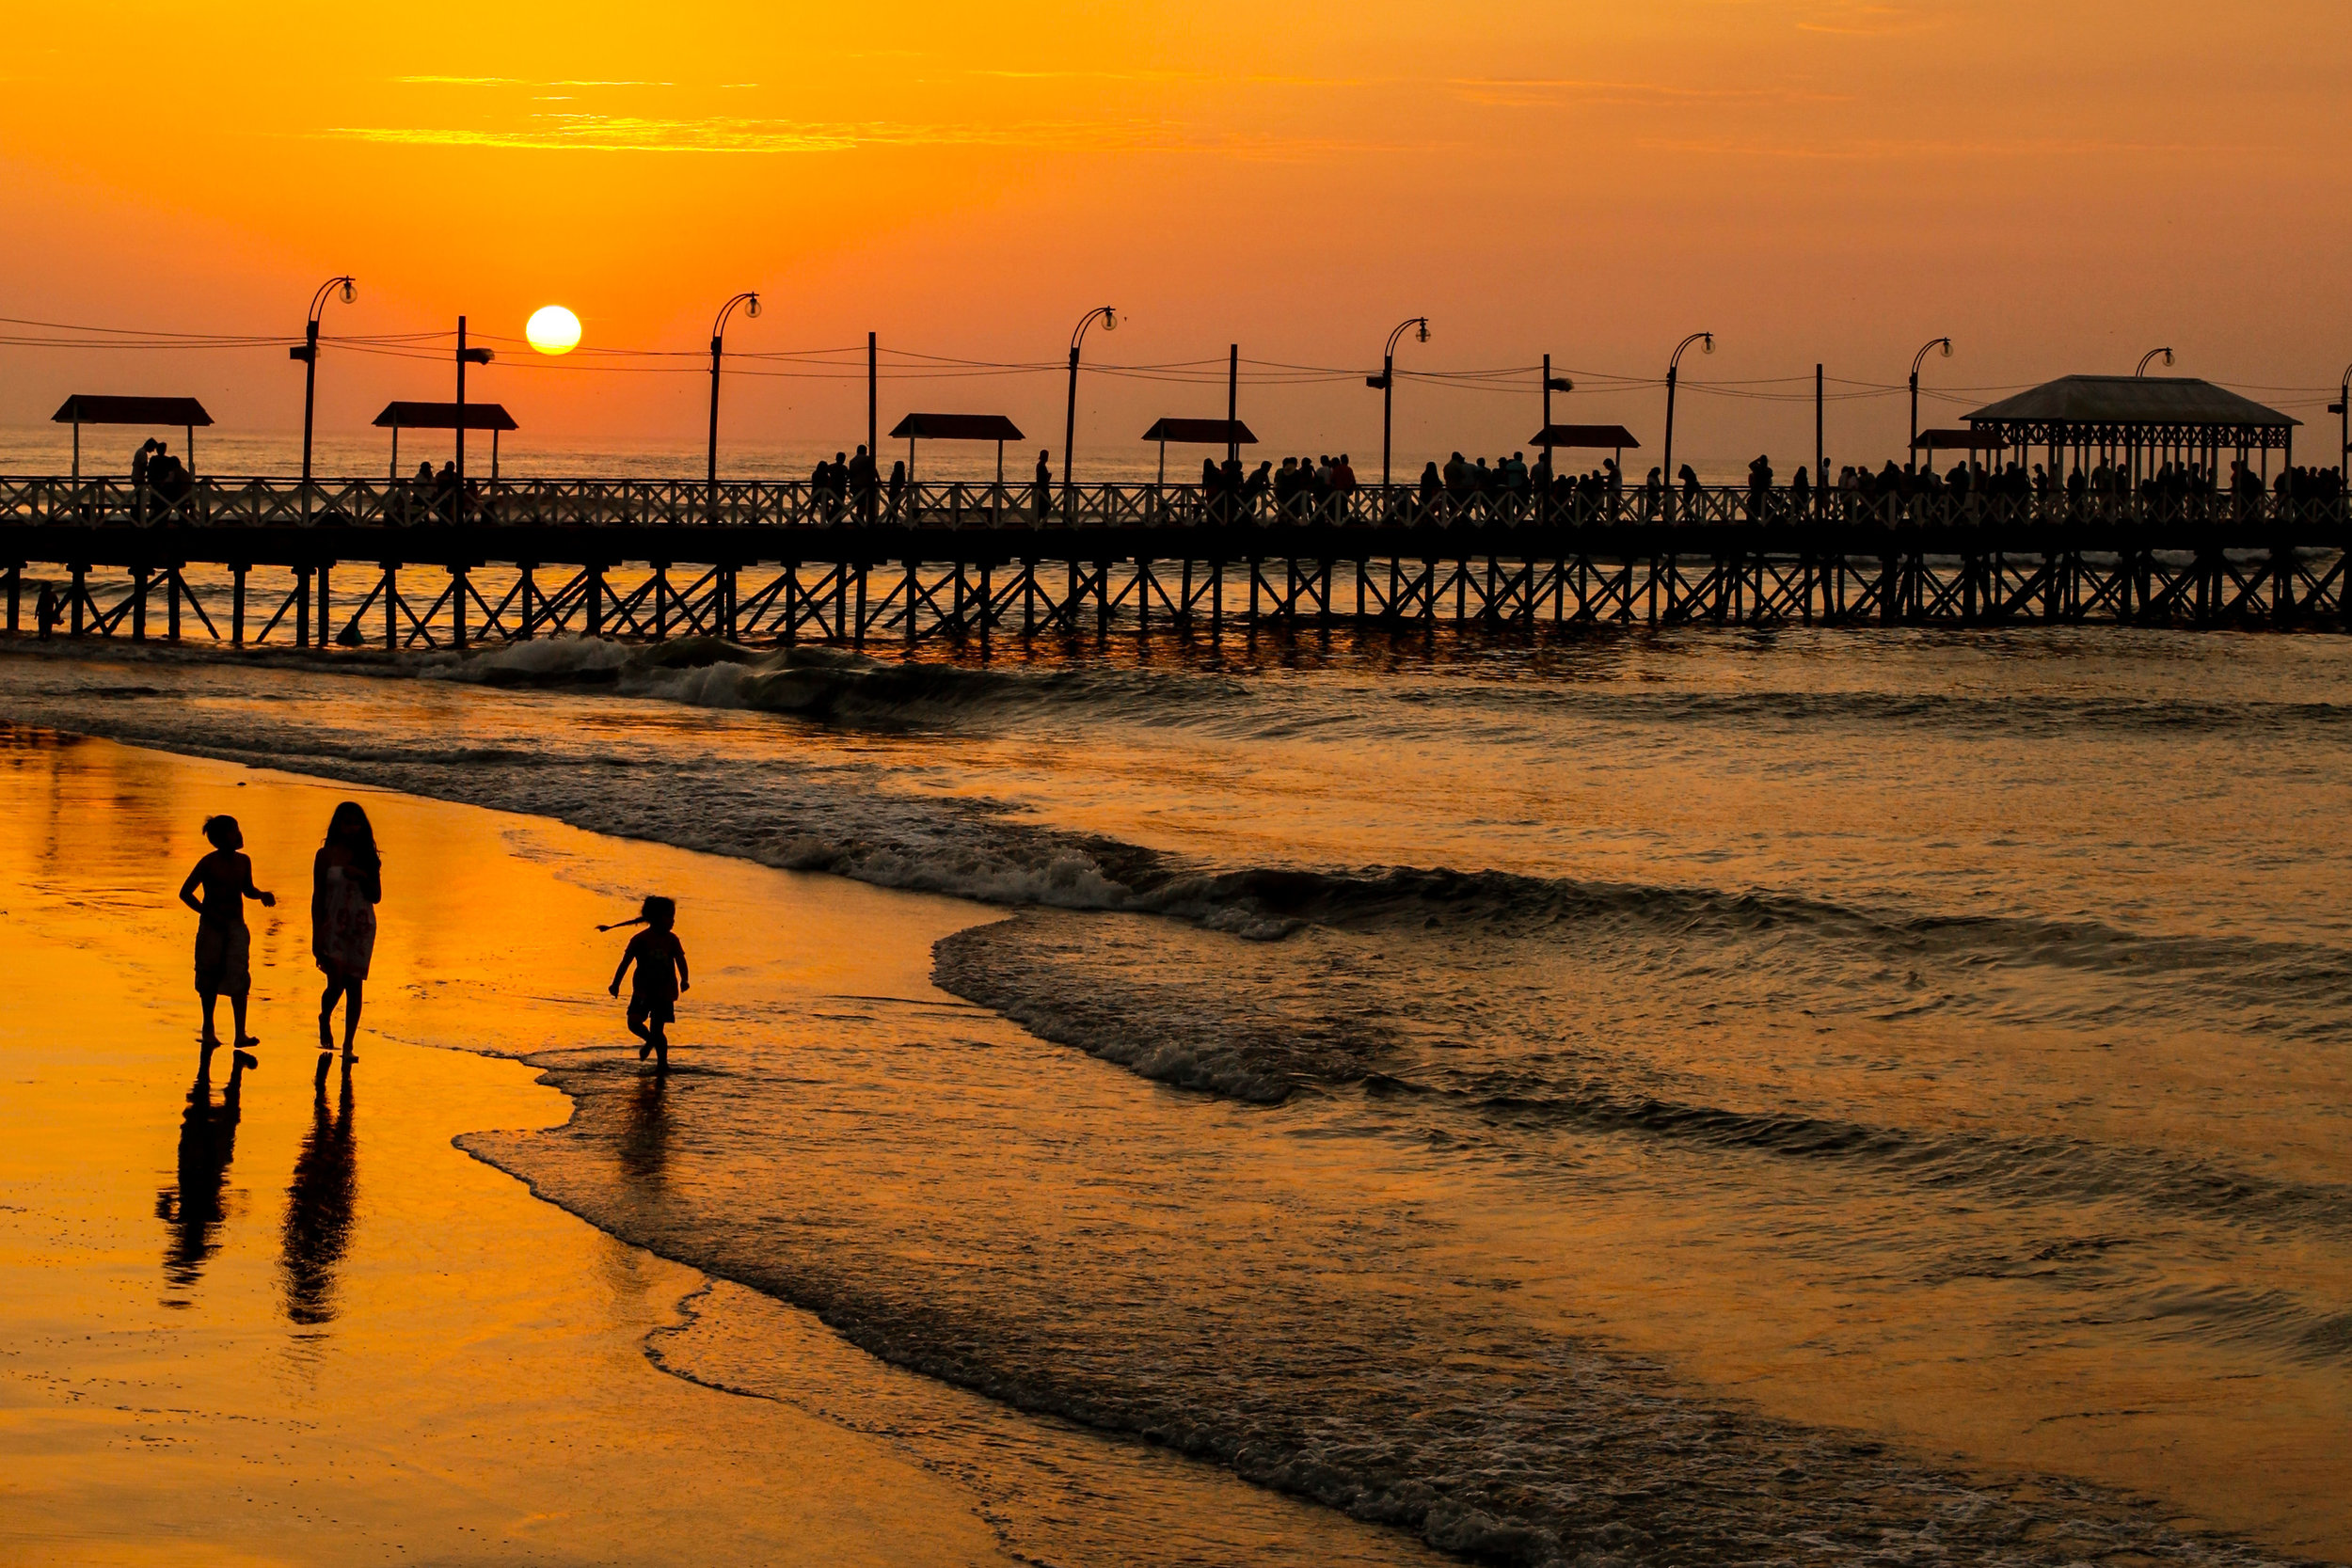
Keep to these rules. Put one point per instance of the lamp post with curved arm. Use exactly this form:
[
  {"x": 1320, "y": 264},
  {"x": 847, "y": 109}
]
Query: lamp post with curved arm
[
  {"x": 308, "y": 355},
  {"x": 1109, "y": 318},
  {"x": 1674, "y": 376},
  {"x": 1386, "y": 382},
  {"x": 2151, "y": 355},
  {"x": 1944, "y": 343},
  {"x": 750, "y": 303}
]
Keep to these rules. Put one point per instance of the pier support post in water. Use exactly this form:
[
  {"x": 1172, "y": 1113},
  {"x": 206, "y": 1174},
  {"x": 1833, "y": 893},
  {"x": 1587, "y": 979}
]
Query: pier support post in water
[
  {"x": 171, "y": 602},
  {"x": 302, "y": 607},
  {"x": 16, "y": 589},
  {"x": 236, "y": 605},
  {"x": 526, "y": 595},
  {"x": 81, "y": 593},
  {"x": 593, "y": 582},
  {"x": 138, "y": 604},
  {"x": 326, "y": 608},
  {"x": 458, "y": 608},
  {"x": 391, "y": 605}
]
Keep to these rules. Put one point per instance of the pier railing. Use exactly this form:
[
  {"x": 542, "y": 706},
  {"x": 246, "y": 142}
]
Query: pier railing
[{"x": 258, "y": 502}]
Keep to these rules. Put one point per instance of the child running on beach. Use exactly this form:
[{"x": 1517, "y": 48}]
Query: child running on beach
[
  {"x": 223, "y": 944},
  {"x": 660, "y": 961}
]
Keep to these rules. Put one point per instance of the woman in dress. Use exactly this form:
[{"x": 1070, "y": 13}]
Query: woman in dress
[{"x": 346, "y": 883}]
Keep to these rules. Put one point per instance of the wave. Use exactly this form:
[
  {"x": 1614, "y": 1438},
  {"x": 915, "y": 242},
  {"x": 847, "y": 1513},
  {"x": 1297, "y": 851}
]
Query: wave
[{"x": 839, "y": 687}]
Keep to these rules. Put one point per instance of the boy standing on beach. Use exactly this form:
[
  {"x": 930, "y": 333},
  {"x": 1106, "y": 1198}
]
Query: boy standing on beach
[
  {"x": 660, "y": 961},
  {"x": 223, "y": 944}
]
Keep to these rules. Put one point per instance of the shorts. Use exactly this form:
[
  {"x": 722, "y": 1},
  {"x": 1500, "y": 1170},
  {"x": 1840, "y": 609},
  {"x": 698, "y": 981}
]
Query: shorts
[
  {"x": 222, "y": 963},
  {"x": 647, "y": 1008}
]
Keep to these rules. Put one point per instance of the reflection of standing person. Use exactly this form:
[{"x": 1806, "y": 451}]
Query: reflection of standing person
[
  {"x": 319, "y": 1209},
  {"x": 192, "y": 1206},
  {"x": 346, "y": 883},
  {"x": 660, "y": 962},
  {"x": 223, "y": 944}
]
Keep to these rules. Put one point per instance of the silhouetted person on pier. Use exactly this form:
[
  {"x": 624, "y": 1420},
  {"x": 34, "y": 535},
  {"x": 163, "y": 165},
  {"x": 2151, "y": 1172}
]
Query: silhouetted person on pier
[
  {"x": 447, "y": 494},
  {"x": 1760, "y": 488},
  {"x": 1044, "y": 482},
  {"x": 865, "y": 484},
  {"x": 897, "y": 489},
  {"x": 1458, "y": 482},
  {"x": 192, "y": 1206},
  {"x": 1653, "y": 495},
  {"x": 1688, "y": 478},
  {"x": 1799, "y": 495},
  {"x": 346, "y": 885},
  {"x": 660, "y": 961},
  {"x": 140, "y": 461},
  {"x": 223, "y": 945},
  {"x": 167, "y": 483}
]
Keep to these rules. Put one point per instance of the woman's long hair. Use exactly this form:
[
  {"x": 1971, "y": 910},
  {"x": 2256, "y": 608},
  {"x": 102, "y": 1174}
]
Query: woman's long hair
[{"x": 350, "y": 828}]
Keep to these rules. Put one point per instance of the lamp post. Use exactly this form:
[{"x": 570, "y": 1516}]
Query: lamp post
[
  {"x": 308, "y": 355},
  {"x": 1109, "y": 318},
  {"x": 1673, "y": 376},
  {"x": 2151, "y": 355},
  {"x": 465, "y": 357},
  {"x": 2341, "y": 408},
  {"x": 1944, "y": 343},
  {"x": 749, "y": 302},
  {"x": 1386, "y": 382}
]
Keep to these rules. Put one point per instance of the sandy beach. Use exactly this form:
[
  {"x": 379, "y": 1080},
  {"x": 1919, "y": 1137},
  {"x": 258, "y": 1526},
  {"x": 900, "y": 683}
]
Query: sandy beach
[
  {"x": 356, "y": 1344},
  {"x": 288, "y": 1326}
]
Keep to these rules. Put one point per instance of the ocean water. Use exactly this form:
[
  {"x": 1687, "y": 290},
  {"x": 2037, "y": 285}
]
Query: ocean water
[{"x": 1647, "y": 1097}]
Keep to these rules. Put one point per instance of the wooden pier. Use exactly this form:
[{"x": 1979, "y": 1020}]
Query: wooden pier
[{"x": 381, "y": 564}]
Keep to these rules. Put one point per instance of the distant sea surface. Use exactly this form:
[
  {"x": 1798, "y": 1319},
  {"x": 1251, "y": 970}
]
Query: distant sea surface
[{"x": 1641, "y": 1097}]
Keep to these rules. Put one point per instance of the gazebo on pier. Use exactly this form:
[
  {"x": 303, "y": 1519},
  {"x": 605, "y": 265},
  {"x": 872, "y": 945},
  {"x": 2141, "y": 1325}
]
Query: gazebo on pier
[{"x": 2133, "y": 422}]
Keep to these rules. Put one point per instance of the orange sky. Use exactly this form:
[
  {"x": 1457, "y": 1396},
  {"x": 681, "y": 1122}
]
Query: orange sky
[{"x": 2057, "y": 185}]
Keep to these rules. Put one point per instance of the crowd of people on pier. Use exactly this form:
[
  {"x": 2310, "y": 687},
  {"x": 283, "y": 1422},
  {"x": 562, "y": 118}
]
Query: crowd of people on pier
[{"x": 851, "y": 486}]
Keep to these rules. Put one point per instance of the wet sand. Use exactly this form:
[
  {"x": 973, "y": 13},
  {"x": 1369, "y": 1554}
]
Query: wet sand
[{"x": 314, "y": 1331}]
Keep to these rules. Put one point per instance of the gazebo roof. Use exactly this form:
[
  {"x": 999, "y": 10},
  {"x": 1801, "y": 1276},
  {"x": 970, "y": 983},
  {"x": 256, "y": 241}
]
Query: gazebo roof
[
  {"x": 2132, "y": 400},
  {"x": 957, "y": 427},
  {"x": 445, "y": 416},
  {"x": 89, "y": 409},
  {"x": 1201, "y": 432},
  {"x": 1594, "y": 435},
  {"x": 1947, "y": 439}
]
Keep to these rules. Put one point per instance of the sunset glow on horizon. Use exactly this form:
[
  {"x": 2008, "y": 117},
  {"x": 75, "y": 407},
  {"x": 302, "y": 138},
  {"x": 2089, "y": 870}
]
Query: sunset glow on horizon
[{"x": 1811, "y": 179}]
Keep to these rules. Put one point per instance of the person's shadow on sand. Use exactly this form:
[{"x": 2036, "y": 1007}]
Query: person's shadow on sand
[
  {"x": 193, "y": 1207},
  {"x": 319, "y": 1207}
]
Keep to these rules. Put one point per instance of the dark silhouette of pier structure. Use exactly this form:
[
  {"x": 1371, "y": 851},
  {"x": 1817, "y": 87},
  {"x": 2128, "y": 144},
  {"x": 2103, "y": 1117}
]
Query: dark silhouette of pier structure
[{"x": 398, "y": 564}]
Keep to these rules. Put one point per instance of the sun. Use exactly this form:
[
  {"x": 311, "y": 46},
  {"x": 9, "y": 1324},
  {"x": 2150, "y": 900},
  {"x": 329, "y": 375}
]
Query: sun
[{"x": 553, "y": 330}]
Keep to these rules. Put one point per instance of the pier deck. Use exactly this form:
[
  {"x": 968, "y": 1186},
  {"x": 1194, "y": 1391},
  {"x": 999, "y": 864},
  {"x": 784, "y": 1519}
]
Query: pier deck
[{"x": 385, "y": 565}]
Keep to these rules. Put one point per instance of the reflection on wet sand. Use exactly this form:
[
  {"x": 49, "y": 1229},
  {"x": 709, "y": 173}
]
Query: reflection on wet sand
[
  {"x": 645, "y": 1142},
  {"x": 193, "y": 1206},
  {"x": 320, "y": 1207}
]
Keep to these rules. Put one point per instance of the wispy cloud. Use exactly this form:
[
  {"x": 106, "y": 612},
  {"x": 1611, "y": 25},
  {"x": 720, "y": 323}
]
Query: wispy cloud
[
  {"x": 1869, "y": 21},
  {"x": 594, "y": 132},
  {"x": 1889, "y": 150},
  {"x": 1549, "y": 92}
]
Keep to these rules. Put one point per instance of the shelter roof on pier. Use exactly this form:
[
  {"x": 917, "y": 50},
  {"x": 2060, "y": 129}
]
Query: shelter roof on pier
[
  {"x": 1613, "y": 436},
  {"x": 1950, "y": 440},
  {"x": 91, "y": 408},
  {"x": 2131, "y": 410},
  {"x": 957, "y": 427},
  {"x": 445, "y": 416},
  {"x": 1201, "y": 432}
]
